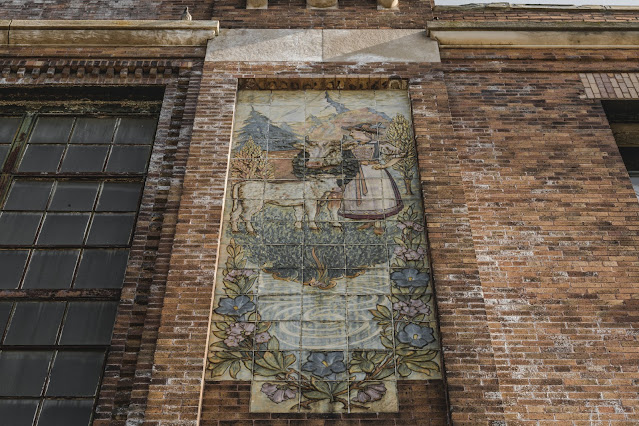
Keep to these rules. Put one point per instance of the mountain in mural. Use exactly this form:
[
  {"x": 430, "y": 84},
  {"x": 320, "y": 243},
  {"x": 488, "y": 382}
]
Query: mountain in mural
[{"x": 261, "y": 129}]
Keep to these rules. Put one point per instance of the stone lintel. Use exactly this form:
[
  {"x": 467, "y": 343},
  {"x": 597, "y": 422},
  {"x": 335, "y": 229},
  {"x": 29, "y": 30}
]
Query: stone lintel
[
  {"x": 584, "y": 35},
  {"x": 107, "y": 32},
  {"x": 310, "y": 45}
]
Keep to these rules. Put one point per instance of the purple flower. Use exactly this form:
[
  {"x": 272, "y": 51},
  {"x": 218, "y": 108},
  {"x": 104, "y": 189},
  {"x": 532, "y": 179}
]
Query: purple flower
[
  {"x": 278, "y": 393},
  {"x": 409, "y": 254},
  {"x": 238, "y": 332},
  {"x": 410, "y": 225},
  {"x": 371, "y": 393},
  {"x": 416, "y": 336},
  {"x": 262, "y": 337},
  {"x": 410, "y": 277},
  {"x": 235, "y": 307},
  {"x": 238, "y": 273},
  {"x": 411, "y": 308},
  {"x": 325, "y": 364}
]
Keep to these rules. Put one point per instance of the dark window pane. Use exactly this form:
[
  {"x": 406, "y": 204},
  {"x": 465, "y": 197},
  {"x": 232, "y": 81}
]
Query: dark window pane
[
  {"x": 93, "y": 130},
  {"x": 74, "y": 196},
  {"x": 67, "y": 413},
  {"x": 111, "y": 229},
  {"x": 35, "y": 323},
  {"x": 136, "y": 131},
  {"x": 12, "y": 265},
  {"x": 41, "y": 158},
  {"x": 84, "y": 158},
  {"x": 128, "y": 159},
  {"x": 75, "y": 374},
  {"x": 51, "y": 269},
  {"x": 18, "y": 228},
  {"x": 28, "y": 195},
  {"x": 63, "y": 229},
  {"x": 23, "y": 372},
  {"x": 119, "y": 197},
  {"x": 18, "y": 412},
  {"x": 89, "y": 323},
  {"x": 5, "y": 311},
  {"x": 52, "y": 130},
  {"x": 8, "y": 128},
  {"x": 4, "y": 150},
  {"x": 102, "y": 269}
]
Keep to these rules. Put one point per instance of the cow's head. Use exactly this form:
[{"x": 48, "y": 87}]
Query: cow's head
[{"x": 324, "y": 153}]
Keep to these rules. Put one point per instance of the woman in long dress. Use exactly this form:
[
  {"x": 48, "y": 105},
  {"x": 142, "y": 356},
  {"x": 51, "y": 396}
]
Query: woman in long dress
[{"x": 373, "y": 194}]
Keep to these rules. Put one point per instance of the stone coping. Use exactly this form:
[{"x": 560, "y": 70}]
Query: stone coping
[
  {"x": 106, "y": 32},
  {"x": 531, "y": 34},
  {"x": 536, "y": 7}
]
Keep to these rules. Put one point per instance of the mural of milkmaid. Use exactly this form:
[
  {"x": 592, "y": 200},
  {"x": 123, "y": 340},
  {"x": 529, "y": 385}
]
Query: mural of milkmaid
[{"x": 323, "y": 293}]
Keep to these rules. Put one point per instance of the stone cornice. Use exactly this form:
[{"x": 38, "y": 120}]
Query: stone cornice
[
  {"x": 106, "y": 33},
  {"x": 583, "y": 35}
]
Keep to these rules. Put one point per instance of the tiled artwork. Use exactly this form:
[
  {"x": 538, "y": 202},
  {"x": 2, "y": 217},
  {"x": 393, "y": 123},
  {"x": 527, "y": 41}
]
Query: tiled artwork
[{"x": 323, "y": 297}]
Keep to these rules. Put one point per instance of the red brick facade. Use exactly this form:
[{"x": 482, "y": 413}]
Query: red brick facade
[{"x": 532, "y": 221}]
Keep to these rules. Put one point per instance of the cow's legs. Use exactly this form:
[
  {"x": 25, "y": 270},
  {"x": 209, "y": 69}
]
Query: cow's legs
[
  {"x": 299, "y": 216},
  {"x": 250, "y": 208},
  {"x": 310, "y": 206},
  {"x": 235, "y": 214}
]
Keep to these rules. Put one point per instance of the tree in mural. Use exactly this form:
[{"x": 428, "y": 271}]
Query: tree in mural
[
  {"x": 250, "y": 162},
  {"x": 399, "y": 135}
]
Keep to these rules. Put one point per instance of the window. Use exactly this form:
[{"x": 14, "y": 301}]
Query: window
[
  {"x": 70, "y": 190},
  {"x": 623, "y": 117}
]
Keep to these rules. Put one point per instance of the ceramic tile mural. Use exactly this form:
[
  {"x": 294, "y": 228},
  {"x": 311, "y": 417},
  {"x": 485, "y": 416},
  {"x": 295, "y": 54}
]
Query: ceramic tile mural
[{"x": 323, "y": 297}]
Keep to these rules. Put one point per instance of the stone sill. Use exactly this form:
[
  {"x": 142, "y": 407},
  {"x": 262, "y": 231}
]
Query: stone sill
[
  {"x": 575, "y": 35},
  {"x": 535, "y": 7},
  {"x": 106, "y": 33}
]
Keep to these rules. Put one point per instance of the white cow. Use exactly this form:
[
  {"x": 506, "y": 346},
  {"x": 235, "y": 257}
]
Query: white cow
[{"x": 306, "y": 197}]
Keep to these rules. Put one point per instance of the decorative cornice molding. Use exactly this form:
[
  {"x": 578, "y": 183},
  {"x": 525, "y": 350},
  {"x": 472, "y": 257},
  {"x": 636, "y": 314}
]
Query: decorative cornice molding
[
  {"x": 582, "y": 35},
  {"x": 106, "y": 33}
]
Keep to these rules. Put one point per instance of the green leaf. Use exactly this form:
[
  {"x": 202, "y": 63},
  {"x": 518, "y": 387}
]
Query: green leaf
[
  {"x": 378, "y": 357},
  {"x": 315, "y": 395},
  {"x": 423, "y": 356},
  {"x": 220, "y": 334},
  {"x": 289, "y": 360},
  {"x": 387, "y": 342},
  {"x": 273, "y": 344},
  {"x": 340, "y": 387},
  {"x": 218, "y": 369},
  {"x": 399, "y": 241},
  {"x": 235, "y": 368},
  {"x": 386, "y": 372},
  {"x": 367, "y": 366},
  {"x": 272, "y": 361},
  {"x": 262, "y": 371},
  {"x": 385, "y": 311},
  {"x": 219, "y": 345},
  {"x": 424, "y": 367},
  {"x": 321, "y": 386},
  {"x": 403, "y": 370}
]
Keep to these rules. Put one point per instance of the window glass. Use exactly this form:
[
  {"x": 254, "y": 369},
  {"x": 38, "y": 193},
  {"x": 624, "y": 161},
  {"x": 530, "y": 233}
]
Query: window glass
[
  {"x": 28, "y": 195},
  {"x": 75, "y": 374},
  {"x": 102, "y": 269},
  {"x": 67, "y": 413},
  {"x": 66, "y": 222},
  {"x": 54, "y": 130},
  {"x": 8, "y": 128},
  {"x": 12, "y": 264},
  {"x": 51, "y": 269},
  {"x": 89, "y": 323},
  {"x": 23, "y": 372},
  {"x": 35, "y": 323},
  {"x": 74, "y": 196},
  {"x": 93, "y": 130},
  {"x": 18, "y": 412}
]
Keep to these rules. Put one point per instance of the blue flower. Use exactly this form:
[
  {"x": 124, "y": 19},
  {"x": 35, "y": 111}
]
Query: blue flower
[
  {"x": 410, "y": 278},
  {"x": 235, "y": 307},
  {"x": 415, "y": 335},
  {"x": 325, "y": 364}
]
